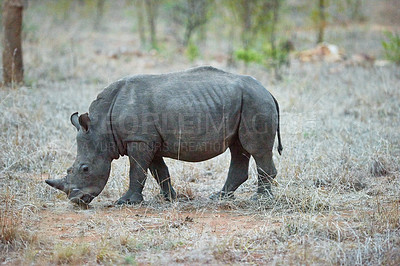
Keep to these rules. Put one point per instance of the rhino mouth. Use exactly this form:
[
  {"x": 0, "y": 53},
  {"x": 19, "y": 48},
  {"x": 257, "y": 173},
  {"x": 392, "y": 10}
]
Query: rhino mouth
[{"x": 78, "y": 197}]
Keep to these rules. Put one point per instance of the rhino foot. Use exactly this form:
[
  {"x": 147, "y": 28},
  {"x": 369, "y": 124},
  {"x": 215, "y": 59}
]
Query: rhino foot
[
  {"x": 222, "y": 196},
  {"x": 169, "y": 195},
  {"x": 266, "y": 196},
  {"x": 130, "y": 198}
]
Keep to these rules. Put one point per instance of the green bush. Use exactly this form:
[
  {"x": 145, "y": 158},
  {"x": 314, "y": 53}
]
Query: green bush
[
  {"x": 249, "y": 56},
  {"x": 275, "y": 57},
  {"x": 392, "y": 47},
  {"x": 267, "y": 57},
  {"x": 192, "y": 51}
]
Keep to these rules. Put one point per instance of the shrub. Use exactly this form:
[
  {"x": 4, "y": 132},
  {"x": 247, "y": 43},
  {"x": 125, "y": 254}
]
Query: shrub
[
  {"x": 275, "y": 57},
  {"x": 268, "y": 56},
  {"x": 192, "y": 51},
  {"x": 249, "y": 56},
  {"x": 392, "y": 47}
]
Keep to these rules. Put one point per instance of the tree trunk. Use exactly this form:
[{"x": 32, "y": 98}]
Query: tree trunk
[
  {"x": 188, "y": 35},
  {"x": 247, "y": 24},
  {"x": 99, "y": 14},
  {"x": 13, "y": 70},
  {"x": 356, "y": 8},
  {"x": 140, "y": 18},
  {"x": 231, "y": 60},
  {"x": 275, "y": 14},
  {"x": 151, "y": 8},
  {"x": 322, "y": 21}
]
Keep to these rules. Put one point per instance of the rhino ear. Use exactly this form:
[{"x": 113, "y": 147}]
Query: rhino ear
[
  {"x": 75, "y": 120},
  {"x": 84, "y": 121}
]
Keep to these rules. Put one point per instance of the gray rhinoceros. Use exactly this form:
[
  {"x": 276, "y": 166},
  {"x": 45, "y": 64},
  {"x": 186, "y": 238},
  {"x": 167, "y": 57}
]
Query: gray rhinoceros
[{"x": 192, "y": 116}]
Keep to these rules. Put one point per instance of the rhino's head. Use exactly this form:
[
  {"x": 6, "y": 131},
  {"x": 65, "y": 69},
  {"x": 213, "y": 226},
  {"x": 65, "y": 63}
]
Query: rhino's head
[{"x": 89, "y": 173}]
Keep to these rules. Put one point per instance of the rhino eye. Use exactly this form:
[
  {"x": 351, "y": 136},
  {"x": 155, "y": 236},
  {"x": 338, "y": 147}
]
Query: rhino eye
[{"x": 85, "y": 168}]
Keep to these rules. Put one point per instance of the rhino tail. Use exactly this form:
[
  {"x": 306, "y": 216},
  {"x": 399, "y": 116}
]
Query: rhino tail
[{"x": 280, "y": 147}]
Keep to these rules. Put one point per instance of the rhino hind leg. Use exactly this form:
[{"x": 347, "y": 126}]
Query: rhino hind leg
[
  {"x": 160, "y": 172},
  {"x": 266, "y": 173},
  {"x": 257, "y": 137},
  {"x": 238, "y": 171}
]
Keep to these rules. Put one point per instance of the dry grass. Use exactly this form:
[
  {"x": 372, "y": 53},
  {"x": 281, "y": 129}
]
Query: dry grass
[
  {"x": 70, "y": 254},
  {"x": 336, "y": 194}
]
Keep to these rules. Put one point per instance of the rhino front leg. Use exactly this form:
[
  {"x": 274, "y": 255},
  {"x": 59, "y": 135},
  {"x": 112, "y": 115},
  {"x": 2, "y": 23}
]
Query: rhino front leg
[
  {"x": 140, "y": 156},
  {"x": 160, "y": 172}
]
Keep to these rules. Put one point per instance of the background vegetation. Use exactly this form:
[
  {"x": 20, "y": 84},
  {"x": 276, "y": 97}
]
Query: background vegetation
[{"x": 337, "y": 189}]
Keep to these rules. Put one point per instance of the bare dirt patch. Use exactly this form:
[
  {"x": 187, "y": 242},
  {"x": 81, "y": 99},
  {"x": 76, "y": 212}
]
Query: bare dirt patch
[{"x": 75, "y": 226}]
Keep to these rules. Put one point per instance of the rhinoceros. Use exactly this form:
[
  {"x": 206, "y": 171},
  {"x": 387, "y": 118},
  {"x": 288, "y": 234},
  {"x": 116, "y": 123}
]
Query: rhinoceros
[{"x": 193, "y": 115}]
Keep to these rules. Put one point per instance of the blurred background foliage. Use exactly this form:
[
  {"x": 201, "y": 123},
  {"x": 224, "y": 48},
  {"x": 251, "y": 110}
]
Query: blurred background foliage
[
  {"x": 261, "y": 32},
  {"x": 391, "y": 45}
]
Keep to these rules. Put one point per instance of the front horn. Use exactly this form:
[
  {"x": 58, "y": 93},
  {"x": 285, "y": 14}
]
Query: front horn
[{"x": 56, "y": 183}]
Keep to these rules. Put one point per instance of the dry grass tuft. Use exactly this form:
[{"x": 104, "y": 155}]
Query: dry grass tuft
[
  {"x": 185, "y": 192},
  {"x": 107, "y": 254},
  {"x": 71, "y": 254},
  {"x": 12, "y": 233},
  {"x": 378, "y": 168}
]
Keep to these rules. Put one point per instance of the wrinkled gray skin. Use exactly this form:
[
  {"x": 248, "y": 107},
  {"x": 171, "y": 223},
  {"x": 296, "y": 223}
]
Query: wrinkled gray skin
[{"x": 192, "y": 116}]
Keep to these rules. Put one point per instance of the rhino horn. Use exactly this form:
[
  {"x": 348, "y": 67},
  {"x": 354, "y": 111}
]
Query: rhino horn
[{"x": 57, "y": 183}]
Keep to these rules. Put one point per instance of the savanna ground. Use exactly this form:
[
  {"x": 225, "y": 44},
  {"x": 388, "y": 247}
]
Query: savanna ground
[{"x": 338, "y": 185}]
